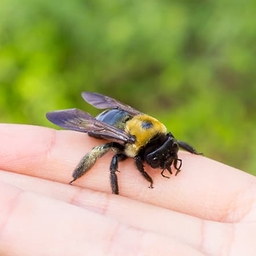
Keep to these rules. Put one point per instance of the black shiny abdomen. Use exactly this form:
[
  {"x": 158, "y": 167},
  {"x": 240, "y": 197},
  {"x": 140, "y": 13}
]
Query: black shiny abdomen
[{"x": 114, "y": 117}]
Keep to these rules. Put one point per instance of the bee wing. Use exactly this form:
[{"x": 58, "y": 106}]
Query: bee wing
[
  {"x": 101, "y": 101},
  {"x": 78, "y": 120}
]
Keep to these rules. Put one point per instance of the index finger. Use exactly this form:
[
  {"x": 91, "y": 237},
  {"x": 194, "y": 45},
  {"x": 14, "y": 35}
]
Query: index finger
[{"x": 204, "y": 188}]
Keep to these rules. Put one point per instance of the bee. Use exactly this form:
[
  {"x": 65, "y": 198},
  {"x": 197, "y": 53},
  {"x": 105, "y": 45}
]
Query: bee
[{"x": 129, "y": 132}]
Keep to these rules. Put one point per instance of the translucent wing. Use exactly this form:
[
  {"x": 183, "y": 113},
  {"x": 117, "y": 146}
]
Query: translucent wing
[
  {"x": 101, "y": 101},
  {"x": 77, "y": 120}
]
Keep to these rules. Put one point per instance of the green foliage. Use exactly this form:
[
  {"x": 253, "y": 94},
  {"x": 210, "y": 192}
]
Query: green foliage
[{"x": 189, "y": 63}]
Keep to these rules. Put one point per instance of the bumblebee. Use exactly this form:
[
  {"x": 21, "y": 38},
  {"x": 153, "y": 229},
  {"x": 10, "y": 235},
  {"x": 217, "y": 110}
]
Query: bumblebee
[{"x": 130, "y": 133}]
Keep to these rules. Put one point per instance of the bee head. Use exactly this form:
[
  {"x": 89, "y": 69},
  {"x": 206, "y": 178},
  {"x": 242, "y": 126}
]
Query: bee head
[{"x": 163, "y": 155}]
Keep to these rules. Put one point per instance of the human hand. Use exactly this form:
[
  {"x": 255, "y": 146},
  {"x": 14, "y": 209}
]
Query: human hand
[{"x": 208, "y": 209}]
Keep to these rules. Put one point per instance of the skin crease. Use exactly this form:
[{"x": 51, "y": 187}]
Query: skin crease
[{"x": 208, "y": 209}]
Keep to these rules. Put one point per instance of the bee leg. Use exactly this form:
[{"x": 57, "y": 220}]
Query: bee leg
[
  {"x": 89, "y": 160},
  {"x": 177, "y": 165},
  {"x": 169, "y": 170},
  {"x": 140, "y": 167},
  {"x": 113, "y": 169},
  {"x": 188, "y": 148}
]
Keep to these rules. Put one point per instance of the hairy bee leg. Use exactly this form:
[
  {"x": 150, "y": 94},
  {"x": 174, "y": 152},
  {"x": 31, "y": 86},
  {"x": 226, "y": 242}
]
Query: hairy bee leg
[
  {"x": 140, "y": 167},
  {"x": 89, "y": 160},
  {"x": 113, "y": 169},
  {"x": 188, "y": 148}
]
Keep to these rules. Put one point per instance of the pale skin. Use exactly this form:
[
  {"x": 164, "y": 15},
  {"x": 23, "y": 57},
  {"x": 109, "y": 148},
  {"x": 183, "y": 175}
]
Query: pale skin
[{"x": 208, "y": 209}]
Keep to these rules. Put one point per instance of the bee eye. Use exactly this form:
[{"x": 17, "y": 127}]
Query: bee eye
[{"x": 153, "y": 161}]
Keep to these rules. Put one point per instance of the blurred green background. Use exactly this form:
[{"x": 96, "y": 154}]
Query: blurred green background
[{"x": 191, "y": 64}]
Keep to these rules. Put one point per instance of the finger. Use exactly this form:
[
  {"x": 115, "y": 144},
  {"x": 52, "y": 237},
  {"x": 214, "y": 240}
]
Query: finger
[
  {"x": 38, "y": 152},
  {"x": 210, "y": 237},
  {"x": 35, "y": 225},
  {"x": 207, "y": 235},
  {"x": 204, "y": 188}
]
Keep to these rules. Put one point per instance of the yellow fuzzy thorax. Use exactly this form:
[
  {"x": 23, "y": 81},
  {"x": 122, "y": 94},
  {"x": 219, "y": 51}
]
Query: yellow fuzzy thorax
[{"x": 144, "y": 128}]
